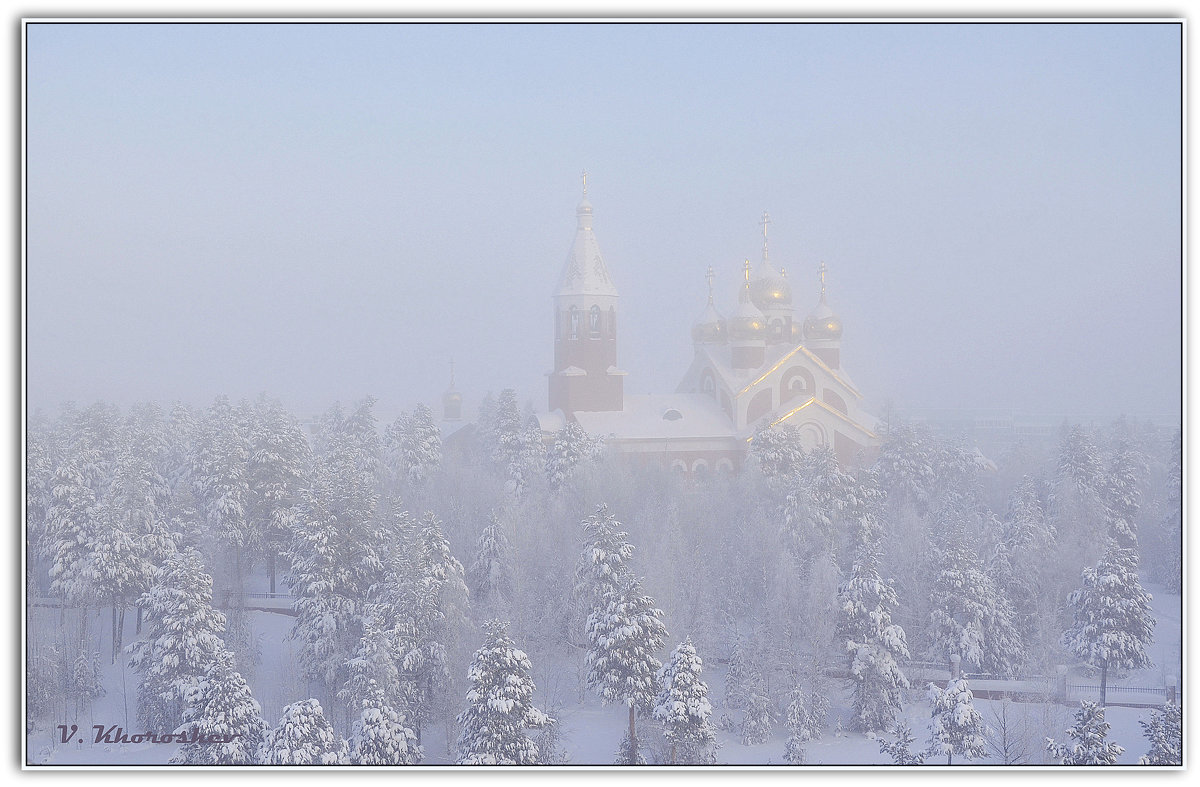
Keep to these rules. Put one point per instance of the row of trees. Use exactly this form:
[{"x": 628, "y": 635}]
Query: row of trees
[{"x": 903, "y": 559}]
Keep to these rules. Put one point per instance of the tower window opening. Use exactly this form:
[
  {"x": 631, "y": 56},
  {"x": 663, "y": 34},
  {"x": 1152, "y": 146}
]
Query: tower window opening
[
  {"x": 574, "y": 322},
  {"x": 594, "y": 320}
]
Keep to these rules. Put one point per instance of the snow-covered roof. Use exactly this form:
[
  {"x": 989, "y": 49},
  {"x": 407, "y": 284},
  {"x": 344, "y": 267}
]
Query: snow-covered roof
[
  {"x": 584, "y": 272},
  {"x": 661, "y": 417},
  {"x": 551, "y": 422}
]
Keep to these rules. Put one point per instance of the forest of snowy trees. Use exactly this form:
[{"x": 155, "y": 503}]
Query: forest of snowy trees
[{"x": 468, "y": 601}]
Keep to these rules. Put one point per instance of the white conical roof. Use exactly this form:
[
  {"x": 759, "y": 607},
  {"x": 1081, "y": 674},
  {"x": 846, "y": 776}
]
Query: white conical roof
[{"x": 585, "y": 272}]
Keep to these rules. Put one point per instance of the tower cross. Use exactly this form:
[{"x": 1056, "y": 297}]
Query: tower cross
[
  {"x": 821, "y": 271},
  {"x": 709, "y": 276},
  {"x": 764, "y": 221},
  {"x": 584, "y": 177}
]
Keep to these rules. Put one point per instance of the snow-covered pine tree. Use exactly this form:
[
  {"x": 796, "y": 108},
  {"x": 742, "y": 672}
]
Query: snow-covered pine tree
[
  {"x": 508, "y": 428},
  {"x": 1171, "y": 561},
  {"x": 183, "y": 637},
  {"x": 220, "y": 704},
  {"x": 778, "y": 450},
  {"x": 376, "y": 693},
  {"x": 180, "y": 430},
  {"x": 900, "y": 750},
  {"x": 602, "y": 564},
  {"x": 486, "y": 435},
  {"x": 571, "y": 447},
  {"x": 549, "y": 744},
  {"x": 491, "y": 573},
  {"x": 381, "y": 736},
  {"x": 432, "y": 614},
  {"x": 324, "y": 583},
  {"x": 756, "y": 722},
  {"x": 741, "y": 675},
  {"x": 796, "y": 721},
  {"x": 969, "y": 616},
  {"x": 1090, "y": 733},
  {"x": 813, "y": 507},
  {"x": 278, "y": 464},
  {"x": 876, "y": 646},
  {"x": 905, "y": 468},
  {"x": 1020, "y": 558},
  {"x": 1125, "y": 472},
  {"x": 87, "y": 684},
  {"x": 119, "y": 568},
  {"x": 529, "y": 452},
  {"x": 303, "y": 737},
  {"x": 499, "y": 704},
  {"x": 623, "y": 636},
  {"x": 683, "y": 708},
  {"x": 1165, "y": 733},
  {"x": 1076, "y": 506},
  {"x": 956, "y": 728},
  {"x": 1113, "y": 624},
  {"x": 40, "y": 464},
  {"x": 72, "y": 525},
  {"x": 142, "y": 498},
  {"x": 219, "y": 476},
  {"x": 420, "y": 445}
]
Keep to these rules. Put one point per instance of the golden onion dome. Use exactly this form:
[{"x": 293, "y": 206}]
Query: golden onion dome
[
  {"x": 823, "y": 324},
  {"x": 710, "y": 327},
  {"x": 747, "y": 323},
  {"x": 771, "y": 290}
]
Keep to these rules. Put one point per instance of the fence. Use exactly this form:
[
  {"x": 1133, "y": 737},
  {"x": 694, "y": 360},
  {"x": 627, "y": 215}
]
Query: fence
[{"x": 1081, "y": 688}]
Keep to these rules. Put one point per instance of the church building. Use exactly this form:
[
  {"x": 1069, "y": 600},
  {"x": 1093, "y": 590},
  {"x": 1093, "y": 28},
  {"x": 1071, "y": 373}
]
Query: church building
[{"x": 758, "y": 367}]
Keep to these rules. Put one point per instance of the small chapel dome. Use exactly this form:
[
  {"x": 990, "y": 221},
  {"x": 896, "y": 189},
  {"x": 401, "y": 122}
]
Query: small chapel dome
[
  {"x": 710, "y": 328},
  {"x": 822, "y": 323},
  {"x": 746, "y": 323}
]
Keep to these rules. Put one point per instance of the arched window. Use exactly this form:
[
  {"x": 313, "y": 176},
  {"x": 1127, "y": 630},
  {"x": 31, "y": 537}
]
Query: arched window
[
  {"x": 700, "y": 468},
  {"x": 679, "y": 466},
  {"x": 708, "y": 385},
  {"x": 574, "y": 322},
  {"x": 672, "y": 415},
  {"x": 796, "y": 381},
  {"x": 760, "y": 405},
  {"x": 594, "y": 320},
  {"x": 724, "y": 466}
]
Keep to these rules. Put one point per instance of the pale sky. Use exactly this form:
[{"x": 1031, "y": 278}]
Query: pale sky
[{"x": 328, "y": 211}]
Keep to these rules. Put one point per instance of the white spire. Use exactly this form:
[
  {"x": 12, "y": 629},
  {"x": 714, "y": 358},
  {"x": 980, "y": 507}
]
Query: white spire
[{"x": 585, "y": 272}]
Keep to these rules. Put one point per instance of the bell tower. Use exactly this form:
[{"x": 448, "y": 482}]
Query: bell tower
[{"x": 585, "y": 376}]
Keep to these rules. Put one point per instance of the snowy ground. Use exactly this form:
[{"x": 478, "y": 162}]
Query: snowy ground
[{"x": 590, "y": 732}]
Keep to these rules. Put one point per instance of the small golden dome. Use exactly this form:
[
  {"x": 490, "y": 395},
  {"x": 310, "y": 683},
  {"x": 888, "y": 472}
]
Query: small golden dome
[
  {"x": 823, "y": 324},
  {"x": 747, "y": 323},
  {"x": 710, "y": 327}
]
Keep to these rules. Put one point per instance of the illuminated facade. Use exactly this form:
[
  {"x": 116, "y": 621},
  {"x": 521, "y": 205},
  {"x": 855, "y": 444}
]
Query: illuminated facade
[{"x": 758, "y": 367}]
